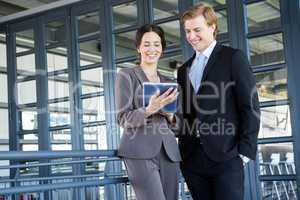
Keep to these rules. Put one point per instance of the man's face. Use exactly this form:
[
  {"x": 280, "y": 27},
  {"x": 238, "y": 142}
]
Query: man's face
[{"x": 198, "y": 33}]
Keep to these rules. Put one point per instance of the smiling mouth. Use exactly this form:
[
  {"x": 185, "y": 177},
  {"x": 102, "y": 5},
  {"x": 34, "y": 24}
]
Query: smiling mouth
[
  {"x": 152, "y": 56},
  {"x": 195, "y": 43}
]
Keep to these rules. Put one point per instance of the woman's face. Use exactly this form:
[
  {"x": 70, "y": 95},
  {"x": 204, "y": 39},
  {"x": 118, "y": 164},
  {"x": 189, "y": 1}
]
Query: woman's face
[{"x": 150, "y": 48}]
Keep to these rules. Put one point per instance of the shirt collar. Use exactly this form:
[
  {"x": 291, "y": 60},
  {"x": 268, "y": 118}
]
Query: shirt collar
[{"x": 207, "y": 52}]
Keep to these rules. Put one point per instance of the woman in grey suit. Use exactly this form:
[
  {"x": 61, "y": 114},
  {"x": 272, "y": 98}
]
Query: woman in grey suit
[{"x": 148, "y": 146}]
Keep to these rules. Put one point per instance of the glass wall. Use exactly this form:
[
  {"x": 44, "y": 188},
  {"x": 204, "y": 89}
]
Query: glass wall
[
  {"x": 166, "y": 15},
  {"x": 3, "y": 92},
  {"x": 277, "y": 160},
  {"x": 58, "y": 83},
  {"x": 266, "y": 51},
  {"x": 91, "y": 79},
  {"x": 26, "y": 91},
  {"x": 3, "y": 102}
]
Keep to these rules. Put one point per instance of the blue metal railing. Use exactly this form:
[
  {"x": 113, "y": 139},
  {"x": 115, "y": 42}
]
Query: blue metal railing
[
  {"x": 62, "y": 185},
  {"x": 27, "y": 185}
]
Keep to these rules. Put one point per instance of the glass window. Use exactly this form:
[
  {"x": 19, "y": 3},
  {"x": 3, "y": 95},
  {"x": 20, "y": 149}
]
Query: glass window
[
  {"x": 266, "y": 50},
  {"x": 263, "y": 15},
  {"x": 275, "y": 122},
  {"x": 26, "y": 64},
  {"x": 57, "y": 58},
  {"x": 56, "y": 32},
  {"x": 29, "y": 171},
  {"x": 3, "y": 90},
  {"x": 89, "y": 38},
  {"x": 276, "y": 159},
  {"x": 65, "y": 146},
  {"x": 56, "y": 45},
  {"x": 125, "y": 46},
  {"x": 128, "y": 64},
  {"x": 58, "y": 86},
  {"x": 95, "y": 138},
  {"x": 164, "y": 8},
  {"x": 59, "y": 113},
  {"x": 24, "y": 40},
  {"x": 215, "y": 2},
  {"x": 21, "y": 49},
  {"x": 279, "y": 190},
  {"x": 90, "y": 52},
  {"x": 61, "y": 140},
  {"x": 168, "y": 66},
  {"x": 57, "y": 54},
  {"x": 93, "y": 109},
  {"x": 88, "y": 24},
  {"x": 125, "y": 15},
  {"x": 222, "y": 24},
  {"x": 30, "y": 137},
  {"x": 64, "y": 168},
  {"x": 3, "y": 59},
  {"x": 59, "y": 118},
  {"x": 94, "y": 166},
  {"x": 29, "y": 141},
  {"x": 25, "y": 52},
  {"x": 4, "y": 172},
  {"x": 29, "y": 147},
  {"x": 272, "y": 85},
  {"x": 26, "y": 92},
  {"x": 92, "y": 80},
  {"x": 172, "y": 33},
  {"x": 29, "y": 120},
  {"x": 4, "y": 124}
]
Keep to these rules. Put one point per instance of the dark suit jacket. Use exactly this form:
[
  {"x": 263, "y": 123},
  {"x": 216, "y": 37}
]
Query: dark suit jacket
[
  {"x": 142, "y": 137},
  {"x": 224, "y": 114}
]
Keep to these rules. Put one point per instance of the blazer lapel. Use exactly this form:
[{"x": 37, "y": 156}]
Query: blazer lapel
[
  {"x": 212, "y": 59},
  {"x": 141, "y": 76}
]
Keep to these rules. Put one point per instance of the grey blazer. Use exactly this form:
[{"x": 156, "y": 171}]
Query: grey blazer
[{"x": 142, "y": 137}]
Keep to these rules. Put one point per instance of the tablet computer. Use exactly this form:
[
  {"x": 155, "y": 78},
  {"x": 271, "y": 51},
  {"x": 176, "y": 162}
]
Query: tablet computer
[{"x": 149, "y": 88}]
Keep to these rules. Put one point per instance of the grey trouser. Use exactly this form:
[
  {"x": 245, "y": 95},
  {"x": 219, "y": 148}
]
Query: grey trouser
[{"x": 155, "y": 178}]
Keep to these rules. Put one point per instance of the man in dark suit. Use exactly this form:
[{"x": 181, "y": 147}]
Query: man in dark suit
[{"x": 220, "y": 111}]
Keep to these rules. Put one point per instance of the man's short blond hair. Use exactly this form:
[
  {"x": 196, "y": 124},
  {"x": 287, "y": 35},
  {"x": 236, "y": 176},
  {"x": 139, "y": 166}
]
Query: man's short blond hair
[{"x": 204, "y": 9}]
